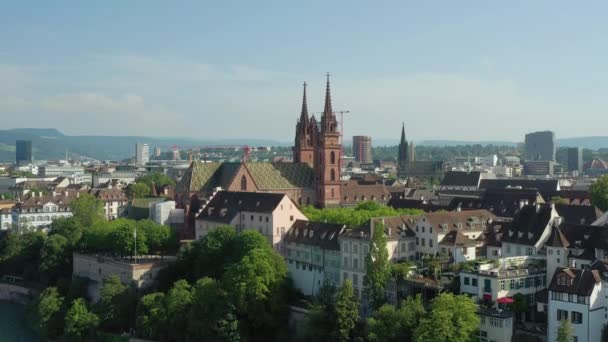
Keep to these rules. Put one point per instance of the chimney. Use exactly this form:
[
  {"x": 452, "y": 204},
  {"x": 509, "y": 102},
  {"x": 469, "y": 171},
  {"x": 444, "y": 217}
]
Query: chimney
[
  {"x": 66, "y": 193},
  {"x": 389, "y": 231},
  {"x": 573, "y": 263}
]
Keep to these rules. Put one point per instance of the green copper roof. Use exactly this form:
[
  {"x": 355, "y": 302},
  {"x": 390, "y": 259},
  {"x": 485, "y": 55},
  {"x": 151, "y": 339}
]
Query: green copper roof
[{"x": 269, "y": 176}]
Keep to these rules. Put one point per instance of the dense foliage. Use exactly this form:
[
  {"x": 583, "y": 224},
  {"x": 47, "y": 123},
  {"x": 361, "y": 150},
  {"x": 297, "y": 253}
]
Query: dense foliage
[
  {"x": 390, "y": 323},
  {"x": 378, "y": 268},
  {"x": 223, "y": 287},
  {"x": 452, "y": 318},
  {"x": 599, "y": 193},
  {"x": 356, "y": 216}
]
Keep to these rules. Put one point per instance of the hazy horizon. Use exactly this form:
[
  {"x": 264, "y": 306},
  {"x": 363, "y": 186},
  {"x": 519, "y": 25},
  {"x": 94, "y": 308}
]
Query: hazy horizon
[{"x": 451, "y": 71}]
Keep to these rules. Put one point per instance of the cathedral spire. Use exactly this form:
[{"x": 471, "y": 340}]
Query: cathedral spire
[
  {"x": 304, "y": 114},
  {"x": 327, "y": 111},
  {"x": 403, "y": 141}
]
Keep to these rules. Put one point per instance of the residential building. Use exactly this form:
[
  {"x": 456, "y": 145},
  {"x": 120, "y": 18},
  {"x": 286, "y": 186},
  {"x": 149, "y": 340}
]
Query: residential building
[
  {"x": 540, "y": 146},
  {"x": 495, "y": 325},
  {"x": 432, "y": 228},
  {"x": 578, "y": 295},
  {"x": 142, "y": 154},
  {"x": 115, "y": 201},
  {"x": 23, "y": 154},
  {"x": 362, "y": 149},
  {"x": 312, "y": 253},
  {"x": 38, "y": 212},
  {"x": 140, "y": 272},
  {"x": 515, "y": 275},
  {"x": 125, "y": 177},
  {"x": 529, "y": 230},
  {"x": 269, "y": 213},
  {"x": 6, "y": 218},
  {"x": 59, "y": 170}
]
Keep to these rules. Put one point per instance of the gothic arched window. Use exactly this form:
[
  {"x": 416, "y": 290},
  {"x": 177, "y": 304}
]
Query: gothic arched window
[
  {"x": 332, "y": 193},
  {"x": 243, "y": 183},
  {"x": 332, "y": 157},
  {"x": 332, "y": 175}
]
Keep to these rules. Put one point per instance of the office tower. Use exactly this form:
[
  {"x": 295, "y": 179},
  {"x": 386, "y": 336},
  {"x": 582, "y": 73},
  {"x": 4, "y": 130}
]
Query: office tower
[
  {"x": 142, "y": 154},
  {"x": 574, "y": 160},
  {"x": 540, "y": 146},
  {"x": 362, "y": 149},
  {"x": 23, "y": 151}
]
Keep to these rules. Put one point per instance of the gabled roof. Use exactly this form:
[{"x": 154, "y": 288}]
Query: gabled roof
[
  {"x": 453, "y": 220},
  {"x": 458, "y": 239},
  {"x": 461, "y": 178},
  {"x": 320, "y": 234},
  {"x": 204, "y": 177},
  {"x": 528, "y": 225},
  {"x": 578, "y": 214},
  {"x": 581, "y": 282},
  {"x": 225, "y": 205},
  {"x": 542, "y": 185},
  {"x": 557, "y": 238}
]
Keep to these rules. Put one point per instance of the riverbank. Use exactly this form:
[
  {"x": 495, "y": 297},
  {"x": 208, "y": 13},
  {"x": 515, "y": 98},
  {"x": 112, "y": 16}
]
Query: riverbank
[{"x": 12, "y": 323}]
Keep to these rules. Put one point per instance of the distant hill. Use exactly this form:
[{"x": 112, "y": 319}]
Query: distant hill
[
  {"x": 50, "y": 143},
  {"x": 593, "y": 143}
]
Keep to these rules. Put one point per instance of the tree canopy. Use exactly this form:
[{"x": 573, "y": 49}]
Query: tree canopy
[
  {"x": 80, "y": 323},
  {"x": 347, "y": 311},
  {"x": 451, "y": 318},
  {"x": 356, "y": 216},
  {"x": 599, "y": 193},
  {"x": 389, "y": 323},
  {"x": 87, "y": 210},
  {"x": 378, "y": 268}
]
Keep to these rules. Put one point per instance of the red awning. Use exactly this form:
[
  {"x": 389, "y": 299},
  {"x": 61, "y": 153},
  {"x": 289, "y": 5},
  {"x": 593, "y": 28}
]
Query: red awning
[
  {"x": 505, "y": 300},
  {"x": 487, "y": 296}
]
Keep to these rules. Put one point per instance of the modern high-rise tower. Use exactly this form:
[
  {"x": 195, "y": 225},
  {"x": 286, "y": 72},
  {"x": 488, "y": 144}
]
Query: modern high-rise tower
[
  {"x": 142, "y": 154},
  {"x": 540, "y": 146},
  {"x": 362, "y": 149},
  {"x": 23, "y": 151}
]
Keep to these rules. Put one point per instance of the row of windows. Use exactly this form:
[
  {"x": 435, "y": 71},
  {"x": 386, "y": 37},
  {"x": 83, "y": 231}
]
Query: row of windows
[
  {"x": 473, "y": 281},
  {"x": 493, "y": 322},
  {"x": 518, "y": 251},
  {"x": 569, "y": 297},
  {"x": 520, "y": 283},
  {"x": 355, "y": 263},
  {"x": 575, "y": 317},
  {"x": 38, "y": 218},
  {"x": 355, "y": 278},
  {"x": 405, "y": 247},
  {"x": 422, "y": 228},
  {"x": 346, "y": 247},
  {"x": 423, "y": 242}
]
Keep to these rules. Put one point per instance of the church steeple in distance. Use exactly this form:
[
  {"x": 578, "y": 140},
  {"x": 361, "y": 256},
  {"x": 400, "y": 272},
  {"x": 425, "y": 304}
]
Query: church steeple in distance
[
  {"x": 328, "y": 119},
  {"x": 304, "y": 114},
  {"x": 403, "y": 157}
]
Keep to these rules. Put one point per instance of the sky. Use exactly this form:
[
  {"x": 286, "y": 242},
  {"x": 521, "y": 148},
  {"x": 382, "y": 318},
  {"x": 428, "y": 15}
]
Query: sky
[{"x": 457, "y": 70}]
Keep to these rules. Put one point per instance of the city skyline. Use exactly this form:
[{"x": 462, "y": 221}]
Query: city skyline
[{"x": 438, "y": 68}]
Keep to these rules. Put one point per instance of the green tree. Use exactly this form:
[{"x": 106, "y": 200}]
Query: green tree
[
  {"x": 378, "y": 268},
  {"x": 151, "y": 315},
  {"x": 210, "y": 317},
  {"x": 68, "y": 228},
  {"x": 245, "y": 242},
  {"x": 138, "y": 190},
  {"x": 395, "y": 324},
  {"x": 520, "y": 305},
  {"x": 156, "y": 180},
  {"x": 159, "y": 238},
  {"x": 321, "y": 317},
  {"x": 178, "y": 302},
  {"x": 45, "y": 314},
  {"x": 122, "y": 233},
  {"x": 214, "y": 252},
  {"x": 55, "y": 258},
  {"x": 20, "y": 254},
  {"x": 257, "y": 286},
  {"x": 347, "y": 312},
  {"x": 564, "y": 331},
  {"x": 80, "y": 323},
  {"x": 87, "y": 210},
  {"x": 114, "y": 305},
  {"x": 599, "y": 193},
  {"x": 452, "y": 318}
]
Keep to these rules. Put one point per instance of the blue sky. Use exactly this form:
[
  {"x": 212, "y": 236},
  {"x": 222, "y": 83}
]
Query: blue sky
[{"x": 466, "y": 70}]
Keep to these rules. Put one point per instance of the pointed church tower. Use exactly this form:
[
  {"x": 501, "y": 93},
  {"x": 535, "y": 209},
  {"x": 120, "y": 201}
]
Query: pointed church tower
[
  {"x": 403, "y": 157},
  {"x": 303, "y": 151},
  {"x": 328, "y": 154}
]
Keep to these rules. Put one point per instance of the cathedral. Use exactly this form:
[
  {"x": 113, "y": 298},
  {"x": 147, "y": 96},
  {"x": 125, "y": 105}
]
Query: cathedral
[
  {"x": 313, "y": 178},
  {"x": 318, "y": 145}
]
